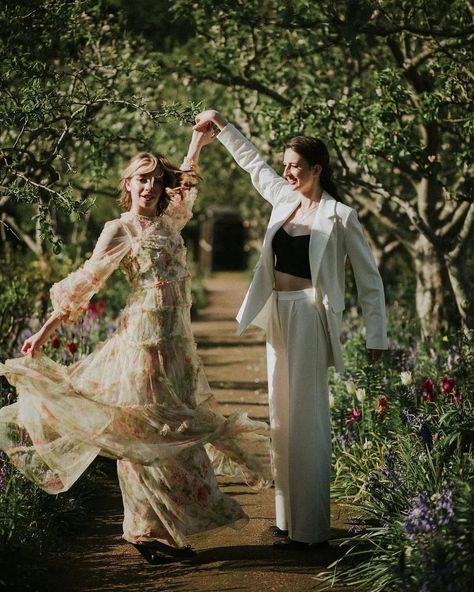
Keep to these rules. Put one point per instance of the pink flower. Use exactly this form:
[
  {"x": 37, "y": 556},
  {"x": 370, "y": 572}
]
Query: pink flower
[
  {"x": 354, "y": 415},
  {"x": 382, "y": 405},
  {"x": 72, "y": 346},
  {"x": 55, "y": 341},
  {"x": 428, "y": 389},
  {"x": 448, "y": 385}
]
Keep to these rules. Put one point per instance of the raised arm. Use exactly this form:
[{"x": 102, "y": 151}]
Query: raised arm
[
  {"x": 265, "y": 179},
  {"x": 70, "y": 297},
  {"x": 182, "y": 197}
]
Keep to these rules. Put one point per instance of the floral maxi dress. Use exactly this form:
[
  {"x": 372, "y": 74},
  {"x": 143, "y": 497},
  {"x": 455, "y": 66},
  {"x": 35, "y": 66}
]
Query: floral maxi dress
[{"x": 141, "y": 397}]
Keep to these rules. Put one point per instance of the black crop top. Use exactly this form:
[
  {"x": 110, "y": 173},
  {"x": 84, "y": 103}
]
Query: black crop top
[{"x": 292, "y": 253}]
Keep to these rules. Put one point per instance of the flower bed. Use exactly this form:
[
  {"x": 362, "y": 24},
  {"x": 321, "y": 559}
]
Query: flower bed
[{"x": 403, "y": 440}]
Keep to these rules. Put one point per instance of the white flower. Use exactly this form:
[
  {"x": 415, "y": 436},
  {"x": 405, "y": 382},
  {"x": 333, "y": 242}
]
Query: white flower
[
  {"x": 406, "y": 378},
  {"x": 331, "y": 400},
  {"x": 360, "y": 395},
  {"x": 367, "y": 445},
  {"x": 331, "y": 103},
  {"x": 350, "y": 387}
]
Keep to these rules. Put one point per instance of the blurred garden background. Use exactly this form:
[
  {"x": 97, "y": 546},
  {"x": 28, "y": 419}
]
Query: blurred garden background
[{"x": 84, "y": 84}]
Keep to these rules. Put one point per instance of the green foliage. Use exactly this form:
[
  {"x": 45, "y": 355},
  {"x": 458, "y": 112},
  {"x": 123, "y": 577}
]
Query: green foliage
[
  {"x": 16, "y": 302},
  {"x": 388, "y": 86},
  {"x": 76, "y": 93}
]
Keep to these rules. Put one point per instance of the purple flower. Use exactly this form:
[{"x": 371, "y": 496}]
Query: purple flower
[
  {"x": 429, "y": 514},
  {"x": 390, "y": 459},
  {"x": 407, "y": 416},
  {"x": 354, "y": 529}
]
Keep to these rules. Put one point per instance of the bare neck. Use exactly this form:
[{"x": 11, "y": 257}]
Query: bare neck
[{"x": 312, "y": 195}]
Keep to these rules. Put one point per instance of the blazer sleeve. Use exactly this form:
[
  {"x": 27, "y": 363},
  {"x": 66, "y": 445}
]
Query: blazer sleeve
[
  {"x": 369, "y": 284},
  {"x": 265, "y": 179}
]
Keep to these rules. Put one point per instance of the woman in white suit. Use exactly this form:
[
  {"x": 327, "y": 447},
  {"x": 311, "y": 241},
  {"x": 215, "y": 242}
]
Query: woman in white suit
[{"x": 297, "y": 297}]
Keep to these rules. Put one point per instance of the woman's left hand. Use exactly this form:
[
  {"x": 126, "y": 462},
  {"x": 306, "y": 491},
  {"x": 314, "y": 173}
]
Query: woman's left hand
[
  {"x": 374, "y": 355},
  {"x": 204, "y": 137}
]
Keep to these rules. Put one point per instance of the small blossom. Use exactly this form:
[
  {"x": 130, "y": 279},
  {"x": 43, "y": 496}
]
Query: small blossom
[
  {"x": 354, "y": 415},
  {"x": 331, "y": 401},
  {"x": 445, "y": 338},
  {"x": 367, "y": 445},
  {"x": 184, "y": 426},
  {"x": 360, "y": 395},
  {"x": 448, "y": 385},
  {"x": 96, "y": 308},
  {"x": 55, "y": 341},
  {"x": 331, "y": 103},
  {"x": 350, "y": 387},
  {"x": 72, "y": 347},
  {"x": 165, "y": 429},
  {"x": 354, "y": 529},
  {"x": 428, "y": 389},
  {"x": 432, "y": 157},
  {"x": 406, "y": 378},
  {"x": 382, "y": 405}
]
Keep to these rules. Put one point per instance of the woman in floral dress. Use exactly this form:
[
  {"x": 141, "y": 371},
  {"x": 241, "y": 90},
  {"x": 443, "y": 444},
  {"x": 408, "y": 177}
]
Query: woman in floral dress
[{"x": 141, "y": 397}]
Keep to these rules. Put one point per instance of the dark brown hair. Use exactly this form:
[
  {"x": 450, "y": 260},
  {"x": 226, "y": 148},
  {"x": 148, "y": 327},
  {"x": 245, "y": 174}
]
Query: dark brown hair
[{"x": 314, "y": 151}]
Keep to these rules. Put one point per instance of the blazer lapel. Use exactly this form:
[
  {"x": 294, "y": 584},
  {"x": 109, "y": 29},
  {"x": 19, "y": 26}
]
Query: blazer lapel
[{"x": 320, "y": 232}]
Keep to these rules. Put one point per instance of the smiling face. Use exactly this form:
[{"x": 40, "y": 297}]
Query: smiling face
[
  {"x": 145, "y": 191},
  {"x": 299, "y": 174}
]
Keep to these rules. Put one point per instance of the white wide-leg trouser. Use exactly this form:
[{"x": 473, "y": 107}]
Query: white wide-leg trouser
[{"x": 297, "y": 362}]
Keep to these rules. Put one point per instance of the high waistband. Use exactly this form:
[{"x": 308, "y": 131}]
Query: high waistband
[{"x": 306, "y": 294}]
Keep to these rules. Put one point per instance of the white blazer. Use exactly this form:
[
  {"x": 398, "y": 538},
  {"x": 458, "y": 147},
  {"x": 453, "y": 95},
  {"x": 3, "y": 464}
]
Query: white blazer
[{"x": 336, "y": 232}]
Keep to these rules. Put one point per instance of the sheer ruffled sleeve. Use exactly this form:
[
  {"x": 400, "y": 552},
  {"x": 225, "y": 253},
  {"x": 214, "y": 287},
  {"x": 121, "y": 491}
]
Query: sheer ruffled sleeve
[
  {"x": 182, "y": 198},
  {"x": 70, "y": 297}
]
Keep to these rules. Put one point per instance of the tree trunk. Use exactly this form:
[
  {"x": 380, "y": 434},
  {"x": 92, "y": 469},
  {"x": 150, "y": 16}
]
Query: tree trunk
[
  {"x": 429, "y": 287},
  {"x": 461, "y": 291}
]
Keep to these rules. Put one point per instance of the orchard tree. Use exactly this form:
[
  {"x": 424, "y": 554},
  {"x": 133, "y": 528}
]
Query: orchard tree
[
  {"x": 78, "y": 95},
  {"x": 388, "y": 84}
]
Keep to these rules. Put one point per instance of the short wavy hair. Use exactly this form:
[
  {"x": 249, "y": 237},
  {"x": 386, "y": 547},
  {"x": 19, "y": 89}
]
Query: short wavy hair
[{"x": 148, "y": 162}]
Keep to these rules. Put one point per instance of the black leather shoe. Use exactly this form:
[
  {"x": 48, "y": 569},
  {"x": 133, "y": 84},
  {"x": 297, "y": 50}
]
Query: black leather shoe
[
  {"x": 187, "y": 551},
  {"x": 152, "y": 556},
  {"x": 278, "y": 532},
  {"x": 291, "y": 545}
]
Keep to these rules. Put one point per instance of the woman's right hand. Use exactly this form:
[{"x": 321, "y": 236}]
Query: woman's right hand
[
  {"x": 33, "y": 344},
  {"x": 204, "y": 118}
]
